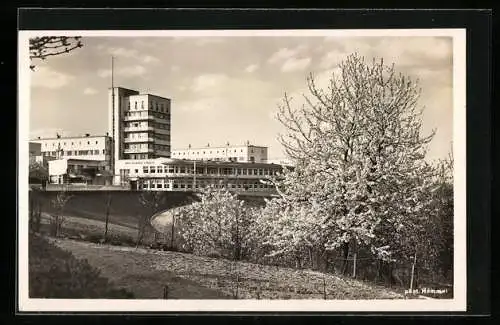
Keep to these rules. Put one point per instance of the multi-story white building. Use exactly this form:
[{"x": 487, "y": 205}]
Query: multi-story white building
[
  {"x": 244, "y": 153},
  {"x": 165, "y": 174},
  {"x": 88, "y": 147},
  {"x": 139, "y": 123}
]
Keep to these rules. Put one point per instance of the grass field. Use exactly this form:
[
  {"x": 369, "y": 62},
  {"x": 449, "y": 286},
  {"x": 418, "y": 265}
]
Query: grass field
[{"x": 145, "y": 272}]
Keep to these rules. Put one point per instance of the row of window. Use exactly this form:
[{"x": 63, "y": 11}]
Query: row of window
[
  {"x": 175, "y": 185},
  {"x": 207, "y": 171},
  {"x": 140, "y": 156},
  {"x": 146, "y": 114},
  {"x": 144, "y": 124},
  {"x": 76, "y": 152},
  {"x": 183, "y": 153},
  {"x": 64, "y": 143},
  {"x": 159, "y": 107}
]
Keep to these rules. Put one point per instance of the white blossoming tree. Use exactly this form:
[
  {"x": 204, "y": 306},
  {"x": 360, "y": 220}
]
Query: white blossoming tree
[
  {"x": 359, "y": 163},
  {"x": 216, "y": 225}
]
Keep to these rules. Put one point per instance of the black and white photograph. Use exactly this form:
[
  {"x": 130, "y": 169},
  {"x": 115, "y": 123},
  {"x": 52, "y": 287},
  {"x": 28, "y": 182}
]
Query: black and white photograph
[{"x": 242, "y": 170}]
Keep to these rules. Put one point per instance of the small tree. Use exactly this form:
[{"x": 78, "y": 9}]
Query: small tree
[
  {"x": 108, "y": 207},
  {"x": 46, "y": 46},
  {"x": 57, "y": 219},
  {"x": 217, "y": 224},
  {"x": 151, "y": 201}
]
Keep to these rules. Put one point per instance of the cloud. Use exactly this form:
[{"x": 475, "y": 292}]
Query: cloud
[
  {"x": 203, "y": 104},
  {"x": 286, "y": 53},
  {"x": 150, "y": 59},
  {"x": 175, "y": 68},
  {"x": 281, "y": 54},
  {"x": 251, "y": 68},
  {"x": 45, "y": 77},
  {"x": 123, "y": 52},
  {"x": 404, "y": 52},
  {"x": 90, "y": 91},
  {"x": 207, "y": 82},
  {"x": 293, "y": 64},
  {"x": 128, "y": 71}
]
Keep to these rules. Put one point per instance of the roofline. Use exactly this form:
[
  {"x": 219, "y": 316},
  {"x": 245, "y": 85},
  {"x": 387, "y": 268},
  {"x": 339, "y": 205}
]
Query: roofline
[
  {"x": 148, "y": 94},
  {"x": 203, "y": 162},
  {"x": 221, "y": 147},
  {"x": 73, "y": 137}
]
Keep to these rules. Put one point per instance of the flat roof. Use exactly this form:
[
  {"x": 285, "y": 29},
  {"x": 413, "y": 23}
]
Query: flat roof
[
  {"x": 166, "y": 161},
  {"x": 220, "y": 147},
  {"x": 72, "y": 137}
]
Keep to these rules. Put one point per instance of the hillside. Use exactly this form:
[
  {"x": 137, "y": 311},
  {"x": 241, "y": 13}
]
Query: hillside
[{"x": 145, "y": 272}]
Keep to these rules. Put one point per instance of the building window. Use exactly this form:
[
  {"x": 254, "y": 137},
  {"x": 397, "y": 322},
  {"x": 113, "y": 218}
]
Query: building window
[
  {"x": 88, "y": 142},
  {"x": 152, "y": 169},
  {"x": 145, "y": 170},
  {"x": 135, "y": 105},
  {"x": 160, "y": 169},
  {"x": 70, "y": 152},
  {"x": 96, "y": 152},
  {"x": 159, "y": 185},
  {"x": 142, "y": 104},
  {"x": 255, "y": 171},
  {"x": 260, "y": 172}
]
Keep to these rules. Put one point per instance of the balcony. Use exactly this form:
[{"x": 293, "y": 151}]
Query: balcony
[
  {"x": 138, "y": 118},
  {"x": 138, "y": 140},
  {"x": 139, "y": 150},
  {"x": 162, "y": 131},
  {"x": 161, "y": 141},
  {"x": 138, "y": 129}
]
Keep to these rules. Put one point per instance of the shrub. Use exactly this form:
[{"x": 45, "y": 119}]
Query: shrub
[{"x": 55, "y": 273}]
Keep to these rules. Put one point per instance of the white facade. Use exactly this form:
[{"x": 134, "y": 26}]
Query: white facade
[
  {"x": 96, "y": 148},
  {"x": 140, "y": 124},
  {"x": 164, "y": 174},
  {"x": 63, "y": 170},
  {"x": 244, "y": 153}
]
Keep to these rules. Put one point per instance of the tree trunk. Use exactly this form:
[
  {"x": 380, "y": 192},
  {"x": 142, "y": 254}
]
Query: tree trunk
[
  {"x": 172, "y": 234},
  {"x": 108, "y": 204},
  {"x": 311, "y": 263},
  {"x": 345, "y": 255}
]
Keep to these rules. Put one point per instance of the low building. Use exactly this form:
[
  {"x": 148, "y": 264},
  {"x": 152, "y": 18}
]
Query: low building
[
  {"x": 164, "y": 174},
  {"x": 79, "y": 171},
  {"x": 246, "y": 153},
  {"x": 87, "y": 147}
]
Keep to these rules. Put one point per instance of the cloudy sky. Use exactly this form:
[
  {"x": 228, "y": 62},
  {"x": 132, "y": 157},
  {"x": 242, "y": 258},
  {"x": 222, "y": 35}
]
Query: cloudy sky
[{"x": 225, "y": 89}]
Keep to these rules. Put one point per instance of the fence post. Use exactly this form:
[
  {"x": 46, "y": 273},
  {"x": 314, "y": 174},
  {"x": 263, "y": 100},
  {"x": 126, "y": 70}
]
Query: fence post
[
  {"x": 354, "y": 266},
  {"x": 324, "y": 287},
  {"x": 413, "y": 271},
  {"x": 165, "y": 292}
]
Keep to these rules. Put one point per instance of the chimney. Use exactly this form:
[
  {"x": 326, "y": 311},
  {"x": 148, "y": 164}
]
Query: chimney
[
  {"x": 87, "y": 134},
  {"x": 38, "y": 138}
]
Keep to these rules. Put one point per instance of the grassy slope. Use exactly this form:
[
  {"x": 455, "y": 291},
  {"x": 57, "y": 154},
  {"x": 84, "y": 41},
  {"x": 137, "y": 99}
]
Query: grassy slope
[
  {"x": 192, "y": 277},
  {"x": 56, "y": 273}
]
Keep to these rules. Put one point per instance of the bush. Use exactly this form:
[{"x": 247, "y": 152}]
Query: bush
[{"x": 55, "y": 273}]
